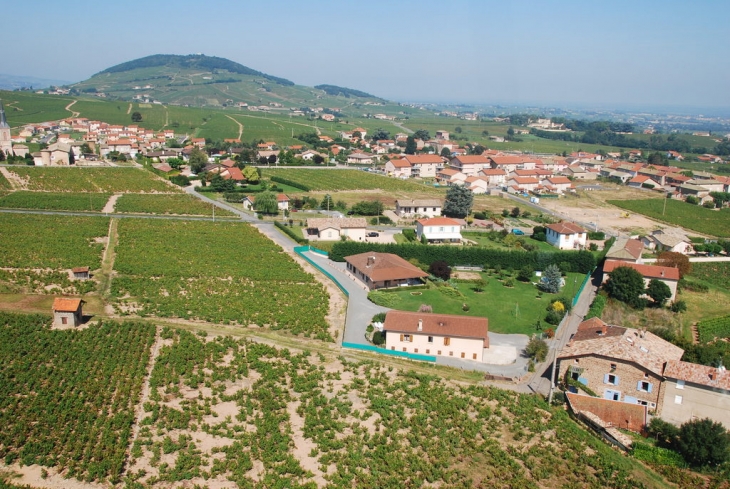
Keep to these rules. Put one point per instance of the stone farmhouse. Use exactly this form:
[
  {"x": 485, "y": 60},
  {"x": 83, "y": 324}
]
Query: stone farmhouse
[
  {"x": 696, "y": 391},
  {"x": 436, "y": 334},
  {"x": 668, "y": 275}
]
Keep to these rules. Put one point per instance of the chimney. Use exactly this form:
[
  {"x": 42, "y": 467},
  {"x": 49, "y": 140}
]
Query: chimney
[
  {"x": 604, "y": 330},
  {"x": 420, "y": 325}
]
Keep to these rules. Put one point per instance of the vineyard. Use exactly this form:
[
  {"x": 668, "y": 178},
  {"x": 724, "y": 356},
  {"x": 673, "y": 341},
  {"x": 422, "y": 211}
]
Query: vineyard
[
  {"x": 694, "y": 217},
  {"x": 334, "y": 180},
  {"x": 99, "y": 180},
  {"x": 231, "y": 410},
  {"x": 221, "y": 272},
  {"x": 31, "y": 281},
  {"x": 716, "y": 273},
  {"x": 68, "y": 396},
  {"x": 709, "y": 329},
  {"x": 4, "y": 184},
  {"x": 172, "y": 204},
  {"x": 52, "y": 242},
  {"x": 56, "y": 201}
]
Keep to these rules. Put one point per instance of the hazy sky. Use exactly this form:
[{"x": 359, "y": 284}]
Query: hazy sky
[{"x": 588, "y": 52}]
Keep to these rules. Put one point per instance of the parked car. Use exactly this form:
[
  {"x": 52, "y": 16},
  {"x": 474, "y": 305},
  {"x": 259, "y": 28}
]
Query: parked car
[
  {"x": 518, "y": 232},
  {"x": 372, "y": 234}
]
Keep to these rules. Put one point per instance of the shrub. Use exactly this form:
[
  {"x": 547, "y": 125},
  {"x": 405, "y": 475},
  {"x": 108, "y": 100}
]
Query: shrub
[
  {"x": 409, "y": 234},
  {"x": 378, "y": 318},
  {"x": 525, "y": 274},
  {"x": 537, "y": 349},
  {"x": 440, "y": 269},
  {"x": 383, "y": 298},
  {"x": 510, "y": 282},
  {"x": 703, "y": 443},
  {"x": 425, "y": 308},
  {"x": 679, "y": 306},
  {"x": 378, "y": 338}
]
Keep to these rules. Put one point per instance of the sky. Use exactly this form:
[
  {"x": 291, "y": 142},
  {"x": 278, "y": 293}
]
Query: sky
[{"x": 595, "y": 53}]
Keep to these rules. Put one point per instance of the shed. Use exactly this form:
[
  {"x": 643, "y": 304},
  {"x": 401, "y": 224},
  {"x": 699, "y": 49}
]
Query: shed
[
  {"x": 81, "y": 273},
  {"x": 67, "y": 311}
]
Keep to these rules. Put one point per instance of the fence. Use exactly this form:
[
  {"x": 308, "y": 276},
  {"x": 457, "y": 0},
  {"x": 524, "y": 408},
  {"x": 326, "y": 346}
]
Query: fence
[
  {"x": 383, "y": 351},
  {"x": 299, "y": 250},
  {"x": 582, "y": 286}
]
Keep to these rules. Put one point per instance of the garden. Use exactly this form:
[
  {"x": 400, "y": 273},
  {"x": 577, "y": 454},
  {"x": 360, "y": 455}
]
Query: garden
[{"x": 512, "y": 306}]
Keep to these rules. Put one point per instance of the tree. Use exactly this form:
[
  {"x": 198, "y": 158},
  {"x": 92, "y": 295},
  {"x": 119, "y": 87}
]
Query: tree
[
  {"x": 551, "y": 279},
  {"x": 445, "y": 152},
  {"x": 422, "y": 134},
  {"x": 318, "y": 159},
  {"x": 511, "y": 131},
  {"x": 136, "y": 117},
  {"x": 271, "y": 159},
  {"x": 440, "y": 269},
  {"x": 263, "y": 160},
  {"x": 197, "y": 160},
  {"x": 626, "y": 285},
  {"x": 71, "y": 157},
  {"x": 380, "y": 134},
  {"x": 537, "y": 349},
  {"x": 515, "y": 212},
  {"x": 704, "y": 443},
  {"x": 251, "y": 174},
  {"x": 673, "y": 259},
  {"x": 175, "y": 162},
  {"x": 85, "y": 148},
  {"x": 410, "y": 145},
  {"x": 266, "y": 203},
  {"x": 658, "y": 291},
  {"x": 525, "y": 274},
  {"x": 458, "y": 129},
  {"x": 459, "y": 200},
  {"x": 327, "y": 202}
]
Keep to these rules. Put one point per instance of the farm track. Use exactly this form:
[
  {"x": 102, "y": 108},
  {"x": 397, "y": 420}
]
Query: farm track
[
  {"x": 317, "y": 129},
  {"x": 15, "y": 181},
  {"x": 73, "y": 113},
  {"x": 129, "y": 109},
  {"x": 139, "y": 407},
  {"x": 240, "y": 126},
  {"x": 107, "y": 263}
]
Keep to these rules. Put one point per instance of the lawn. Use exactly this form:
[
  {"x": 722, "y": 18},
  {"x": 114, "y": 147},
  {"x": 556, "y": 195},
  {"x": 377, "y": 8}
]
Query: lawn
[
  {"x": 693, "y": 217},
  {"x": 513, "y": 310}
]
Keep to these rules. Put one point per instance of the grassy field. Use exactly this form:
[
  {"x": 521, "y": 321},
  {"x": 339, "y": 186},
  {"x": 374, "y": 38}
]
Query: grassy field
[
  {"x": 92, "y": 202},
  {"x": 693, "y": 217},
  {"x": 344, "y": 180},
  {"x": 27, "y": 108},
  {"x": 221, "y": 272},
  {"x": 77, "y": 179},
  {"x": 168, "y": 204},
  {"x": 714, "y": 273},
  {"x": 4, "y": 184},
  {"x": 513, "y": 310}
]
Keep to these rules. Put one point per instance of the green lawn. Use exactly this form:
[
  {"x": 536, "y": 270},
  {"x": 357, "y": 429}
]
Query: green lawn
[{"x": 509, "y": 309}]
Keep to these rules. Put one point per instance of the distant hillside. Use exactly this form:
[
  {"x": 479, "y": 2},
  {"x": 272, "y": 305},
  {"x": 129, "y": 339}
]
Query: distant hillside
[
  {"x": 14, "y": 82},
  {"x": 192, "y": 61},
  {"x": 197, "y": 80},
  {"x": 345, "y": 92}
]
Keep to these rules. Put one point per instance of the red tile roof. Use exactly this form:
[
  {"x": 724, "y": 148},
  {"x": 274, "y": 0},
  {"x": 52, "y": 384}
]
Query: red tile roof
[
  {"x": 717, "y": 378},
  {"x": 647, "y": 271},
  {"x": 438, "y": 221},
  {"x": 384, "y": 266},
  {"x": 566, "y": 227},
  {"x": 438, "y": 324},
  {"x": 61, "y": 304}
]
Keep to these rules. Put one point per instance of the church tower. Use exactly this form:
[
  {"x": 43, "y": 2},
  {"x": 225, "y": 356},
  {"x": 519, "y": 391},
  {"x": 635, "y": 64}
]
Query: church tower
[{"x": 6, "y": 145}]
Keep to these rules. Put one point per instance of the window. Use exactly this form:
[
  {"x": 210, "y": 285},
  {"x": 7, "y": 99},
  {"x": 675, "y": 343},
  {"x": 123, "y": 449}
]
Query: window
[
  {"x": 441, "y": 229},
  {"x": 610, "y": 379},
  {"x": 415, "y": 350},
  {"x": 405, "y": 349},
  {"x": 64, "y": 320},
  {"x": 462, "y": 354},
  {"x": 439, "y": 353},
  {"x": 677, "y": 399},
  {"x": 407, "y": 337},
  {"x": 613, "y": 366},
  {"x": 447, "y": 341},
  {"x": 430, "y": 339},
  {"x": 451, "y": 353},
  {"x": 680, "y": 385},
  {"x": 644, "y": 386},
  {"x": 612, "y": 395},
  {"x": 474, "y": 356},
  {"x": 428, "y": 351},
  {"x": 392, "y": 348}
]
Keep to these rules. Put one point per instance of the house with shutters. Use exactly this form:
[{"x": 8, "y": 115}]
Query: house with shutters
[
  {"x": 398, "y": 167},
  {"x": 566, "y": 235},
  {"x": 470, "y": 165},
  {"x": 617, "y": 363},
  {"x": 439, "y": 230},
  {"x": 443, "y": 335},
  {"x": 405, "y": 208}
]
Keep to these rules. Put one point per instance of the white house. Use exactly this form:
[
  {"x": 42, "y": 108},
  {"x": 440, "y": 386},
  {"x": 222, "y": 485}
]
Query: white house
[
  {"x": 399, "y": 168},
  {"x": 566, "y": 235},
  {"x": 332, "y": 228},
  {"x": 663, "y": 240},
  {"x": 436, "y": 334},
  {"x": 470, "y": 165},
  {"x": 424, "y": 166},
  {"x": 439, "y": 230},
  {"x": 418, "y": 208}
]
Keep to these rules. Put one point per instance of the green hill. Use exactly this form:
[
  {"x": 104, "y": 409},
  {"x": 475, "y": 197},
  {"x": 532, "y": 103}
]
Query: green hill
[{"x": 205, "y": 81}]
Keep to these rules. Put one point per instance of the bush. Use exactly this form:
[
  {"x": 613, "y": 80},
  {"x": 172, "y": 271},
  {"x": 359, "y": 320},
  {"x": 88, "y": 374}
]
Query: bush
[
  {"x": 704, "y": 443},
  {"x": 180, "y": 180},
  {"x": 409, "y": 234},
  {"x": 596, "y": 235},
  {"x": 525, "y": 274},
  {"x": 378, "y": 338},
  {"x": 383, "y": 298},
  {"x": 440, "y": 269},
  {"x": 537, "y": 349},
  {"x": 378, "y": 318},
  {"x": 679, "y": 306},
  {"x": 597, "y": 306}
]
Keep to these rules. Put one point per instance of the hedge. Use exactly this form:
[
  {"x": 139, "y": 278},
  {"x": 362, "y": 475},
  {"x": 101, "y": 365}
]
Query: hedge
[
  {"x": 290, "y": 232},
  {"x": 597, "y": 306},
  {"x": 580, "y": 261},
  {"x": 291, "y": 183}
]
